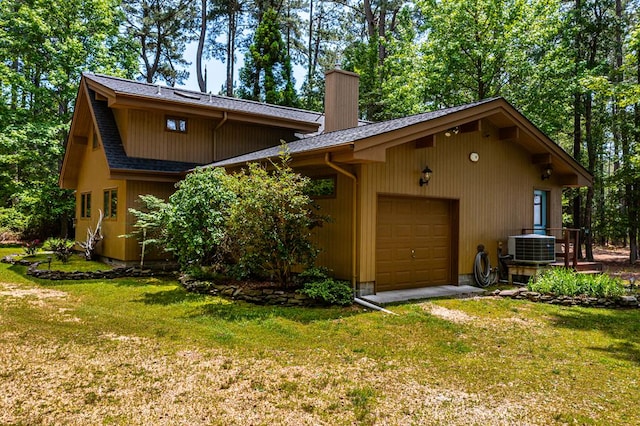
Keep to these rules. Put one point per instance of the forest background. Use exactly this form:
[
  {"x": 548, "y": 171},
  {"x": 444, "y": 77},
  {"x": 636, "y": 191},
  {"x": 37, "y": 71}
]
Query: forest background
[{"x": 572, "y": 67}]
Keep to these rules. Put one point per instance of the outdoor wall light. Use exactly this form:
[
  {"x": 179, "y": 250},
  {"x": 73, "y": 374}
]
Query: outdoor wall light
[
  {"x": 452, "y": 131},
  {"x": 426, "y": 176},
  {"x": 547, "y": 172}
]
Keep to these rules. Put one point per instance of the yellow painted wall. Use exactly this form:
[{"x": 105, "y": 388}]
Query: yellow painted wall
[
  {"x": 134, "y": 190},
  {"x": 495, "y": 194},
  {"x": 334, "y": 237},
  {"x": 93, "y": 177}
]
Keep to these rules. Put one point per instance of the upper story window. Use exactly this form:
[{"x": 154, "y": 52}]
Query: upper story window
[
  {"x": 85, "y": 205},
  {"x": 176, "y": 124}
]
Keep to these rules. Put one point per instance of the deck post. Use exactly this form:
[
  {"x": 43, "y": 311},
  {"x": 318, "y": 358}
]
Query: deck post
[{"x": 567, "y": 247}]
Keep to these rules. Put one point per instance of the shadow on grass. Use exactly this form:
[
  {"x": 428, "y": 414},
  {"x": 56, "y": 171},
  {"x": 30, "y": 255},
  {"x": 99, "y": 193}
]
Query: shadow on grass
[
  {"x": 622, "y": 325},
  {"x": 170, "y": 297},
  {"x": 243, "y": 311}
]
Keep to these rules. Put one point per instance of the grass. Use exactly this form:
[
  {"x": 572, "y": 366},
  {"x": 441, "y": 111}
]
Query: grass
[
  {"x": 566, "y": 282},
  {"x": 143, "y": 351},
  {"x": 76, "y": 262}
]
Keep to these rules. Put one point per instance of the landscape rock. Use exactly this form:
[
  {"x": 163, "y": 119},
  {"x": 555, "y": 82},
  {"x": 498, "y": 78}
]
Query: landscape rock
[
  {"x": 627, "y": 301},
  {"x": 256, "y": 295}
]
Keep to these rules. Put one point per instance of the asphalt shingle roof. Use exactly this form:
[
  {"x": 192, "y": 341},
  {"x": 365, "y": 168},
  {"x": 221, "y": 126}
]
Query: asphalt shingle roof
[
  {"x": 199, "y": 99},
  {"x": 114, "y": 150},
  {"x": 344, "y": 137}
]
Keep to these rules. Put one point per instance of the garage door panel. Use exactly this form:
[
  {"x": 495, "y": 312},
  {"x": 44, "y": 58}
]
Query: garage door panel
[
  {"x": 384, "y": 231},
  {"x": 402, "y": 231},
  {"x": 417, "y": 250}
]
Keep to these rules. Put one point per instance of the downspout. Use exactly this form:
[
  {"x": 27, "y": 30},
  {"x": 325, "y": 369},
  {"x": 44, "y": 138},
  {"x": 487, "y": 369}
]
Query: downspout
[
  {"x": 354, "y": 217},
  {"x": 354, "y": 235},
  {"x": 215, "y": 132}
]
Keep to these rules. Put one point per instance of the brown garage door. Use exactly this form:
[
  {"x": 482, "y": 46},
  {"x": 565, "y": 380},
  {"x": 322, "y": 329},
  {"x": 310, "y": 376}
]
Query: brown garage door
[{"x": 413, "y": 243}]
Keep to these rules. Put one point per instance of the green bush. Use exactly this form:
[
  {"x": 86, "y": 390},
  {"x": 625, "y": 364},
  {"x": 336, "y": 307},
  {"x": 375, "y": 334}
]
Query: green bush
[
  {"x": 61, "y": 248},
  {"x": 196, "y": 227},
  {"x": 270, "y": 221},
  {"x": 565, "y": 282},
  {"x": 12, "y": 220},
  {"x": 329, "y": 291}
]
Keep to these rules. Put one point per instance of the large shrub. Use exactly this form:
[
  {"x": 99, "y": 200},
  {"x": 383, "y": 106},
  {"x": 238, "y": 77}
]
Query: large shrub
[
  {"x": 564, "y": 282},
  {"x": 255, "y": 223},
  {"x": 270, "y": 221},
  {"x": 196, "y": 227}
]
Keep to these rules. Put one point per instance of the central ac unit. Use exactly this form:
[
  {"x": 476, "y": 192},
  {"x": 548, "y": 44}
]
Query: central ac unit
[{"x": 533, "y": 248}]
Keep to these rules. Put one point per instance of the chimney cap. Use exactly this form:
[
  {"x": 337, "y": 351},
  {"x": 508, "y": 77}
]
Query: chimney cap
[{"x": 341, "y": 71}]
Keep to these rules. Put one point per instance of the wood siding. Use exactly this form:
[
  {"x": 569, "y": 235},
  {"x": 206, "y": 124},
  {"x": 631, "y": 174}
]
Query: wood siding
[
  {"x": 334, "y": 238},
  {"x": 495, "y": 194},
  {"x": 147, "y": 138},
  {"x": 134, "y": 190},
  {"x": 233, "y": 139},
  {"x": 93, "y": 177},
  {"x": 143, "y": 135}
]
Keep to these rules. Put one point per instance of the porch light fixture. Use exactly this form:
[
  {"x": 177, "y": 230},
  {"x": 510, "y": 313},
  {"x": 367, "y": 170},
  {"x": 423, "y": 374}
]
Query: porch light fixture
[
  {"x": 452, "y": 131},
  {"x": 426, "y": 176},
  {"x": 547, "y": 172}
]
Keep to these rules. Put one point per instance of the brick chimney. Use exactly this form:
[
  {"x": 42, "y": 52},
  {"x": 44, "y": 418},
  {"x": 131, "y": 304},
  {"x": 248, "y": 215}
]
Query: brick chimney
[{"x": 340, "y": 100}]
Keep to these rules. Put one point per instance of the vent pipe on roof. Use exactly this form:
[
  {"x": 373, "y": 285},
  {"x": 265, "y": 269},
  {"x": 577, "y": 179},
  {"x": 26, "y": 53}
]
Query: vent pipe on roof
[
  {"x": 340, "y": 100},
  {"x": 158, "y": 92}
]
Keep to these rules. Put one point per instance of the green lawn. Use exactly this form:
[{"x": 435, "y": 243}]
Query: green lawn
[{"x": 142, "y": 351}]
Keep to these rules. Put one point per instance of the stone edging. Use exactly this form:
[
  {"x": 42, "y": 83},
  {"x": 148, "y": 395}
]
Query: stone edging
[
  {"x": 258, "y": 296},
  {"x": 118, "y": 272},
  {"x": 595, "y": 302}
]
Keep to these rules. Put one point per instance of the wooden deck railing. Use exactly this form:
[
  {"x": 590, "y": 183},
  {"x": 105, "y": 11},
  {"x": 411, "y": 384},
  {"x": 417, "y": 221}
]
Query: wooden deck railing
[{"x": 569, "y": 240}]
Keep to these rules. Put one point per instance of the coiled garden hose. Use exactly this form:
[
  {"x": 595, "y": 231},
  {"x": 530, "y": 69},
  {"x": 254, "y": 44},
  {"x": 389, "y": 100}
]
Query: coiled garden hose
[{"x": 482, "y": 272}]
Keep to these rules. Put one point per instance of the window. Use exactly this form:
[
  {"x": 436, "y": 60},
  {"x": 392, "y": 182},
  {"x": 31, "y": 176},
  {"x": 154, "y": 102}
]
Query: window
[
  {"x": 85, "y": 205},
  {"x": 95, "y": 141},
  {"x": 176, "y": 124},
  {"x": 540, "y": 212},
  {"x": 110, "y": 203},
  {"x": 322, "y": 187}
]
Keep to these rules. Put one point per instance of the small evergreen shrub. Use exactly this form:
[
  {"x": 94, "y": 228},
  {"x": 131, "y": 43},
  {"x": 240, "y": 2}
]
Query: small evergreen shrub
[
  {"x": 565, "y": 282},
  {"x": 329, "y": 291},
  {"x": 61, "y": 248}
]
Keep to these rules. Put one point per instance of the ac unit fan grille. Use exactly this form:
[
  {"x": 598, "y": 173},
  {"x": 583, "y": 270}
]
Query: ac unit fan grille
[{"x": 532, "y": 249}]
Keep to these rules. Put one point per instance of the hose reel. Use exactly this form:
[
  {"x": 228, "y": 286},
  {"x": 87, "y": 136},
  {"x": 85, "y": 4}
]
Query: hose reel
[{"x": 482, "y": 272}]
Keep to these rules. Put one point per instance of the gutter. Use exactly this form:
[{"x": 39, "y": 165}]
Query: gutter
[
  {"x": 354, "y": 235},
  {"x": 225, "y": 116},
  {"x": 354, "y": 218}
]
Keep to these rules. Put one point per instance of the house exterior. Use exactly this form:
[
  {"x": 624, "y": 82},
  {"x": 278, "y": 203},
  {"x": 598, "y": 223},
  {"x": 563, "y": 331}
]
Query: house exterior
[{"x": 492, "y": 172}]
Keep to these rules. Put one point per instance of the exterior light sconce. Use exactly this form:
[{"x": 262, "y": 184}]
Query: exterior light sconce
[
  {"x": 452, "y": 131},
  {"x": 426, "y": 176},
  {"x": 547, "y": 172}
]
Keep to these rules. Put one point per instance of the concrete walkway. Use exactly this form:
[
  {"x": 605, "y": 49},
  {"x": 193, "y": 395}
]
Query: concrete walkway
[{"x": 394, "y": 296}]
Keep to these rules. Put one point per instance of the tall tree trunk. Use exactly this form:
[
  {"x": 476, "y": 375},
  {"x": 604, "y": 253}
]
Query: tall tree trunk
[
  {"x": 635, "y": 207},
  {"x": 310, "y": 70},
  {"x": 203, "y": 34},
  {"x": 231, "y": 45},
  {"x": 577, "y": 117},
  {"x": 591, "y": 154}
]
